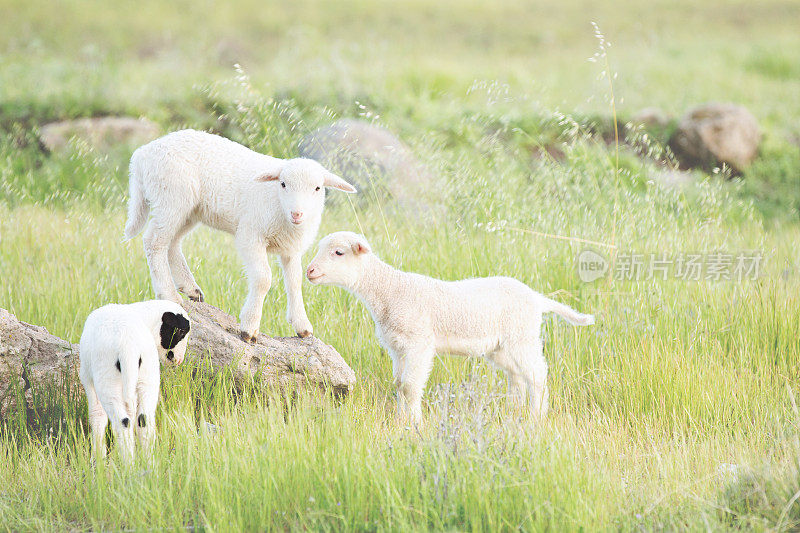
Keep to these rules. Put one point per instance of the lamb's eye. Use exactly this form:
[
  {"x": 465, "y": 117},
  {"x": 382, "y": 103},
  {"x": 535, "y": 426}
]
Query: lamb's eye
[
  {"x": 339, "y": 252},
  {"x": 318, "y": 188},
  {"x": 283, "y": 184}
]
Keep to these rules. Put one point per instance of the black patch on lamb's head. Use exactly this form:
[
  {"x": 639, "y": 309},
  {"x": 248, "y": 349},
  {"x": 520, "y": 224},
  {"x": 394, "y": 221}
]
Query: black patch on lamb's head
[
  {"x": 173, "y": 329},
  {"x": 170, "y": 355},
  {"x": 142, "y": 420},
  {"x": 126, "y": 421},
  {"x": 118, "y": 366}
]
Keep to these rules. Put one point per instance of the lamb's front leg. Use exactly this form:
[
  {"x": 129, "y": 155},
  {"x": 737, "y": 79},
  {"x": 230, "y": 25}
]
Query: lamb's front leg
[
  {"x": 397, "y": 377},
  {"x": 416, "y": 366},
  {"x": 259, "y": 278},
  {"x": 293, "y": 280}
]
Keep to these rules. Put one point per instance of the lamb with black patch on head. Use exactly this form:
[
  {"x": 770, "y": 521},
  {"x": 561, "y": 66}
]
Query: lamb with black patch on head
[{"x": 120, "y": 350}]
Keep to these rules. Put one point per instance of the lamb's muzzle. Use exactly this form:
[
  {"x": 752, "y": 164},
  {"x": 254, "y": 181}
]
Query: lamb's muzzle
[{"x": 311, "y": 274}]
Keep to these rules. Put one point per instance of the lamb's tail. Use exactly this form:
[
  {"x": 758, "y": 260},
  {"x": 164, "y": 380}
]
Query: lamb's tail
[
  {"x": 567, "y": 313},
  {"x": 137, "y": 205},
  {"x": 129, "y": 368}
]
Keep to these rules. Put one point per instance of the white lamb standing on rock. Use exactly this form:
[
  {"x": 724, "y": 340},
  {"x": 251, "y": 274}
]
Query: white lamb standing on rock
[
  {"x": 120, "y": 350},
  {"x": 418, "y": 317},
  {"x": 270, "y": 205}
]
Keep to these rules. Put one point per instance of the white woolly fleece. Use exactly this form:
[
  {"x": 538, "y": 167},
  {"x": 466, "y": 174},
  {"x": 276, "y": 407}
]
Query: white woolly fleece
[
  {"x": 418, "y": 317},
  {"x": 120, "y": 349},
  {"x": 270, "y": 205}
]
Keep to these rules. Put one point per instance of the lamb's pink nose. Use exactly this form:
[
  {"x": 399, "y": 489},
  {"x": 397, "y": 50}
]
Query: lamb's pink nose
[
  {"x": 312, "y": 273},
  {"x": 297, "y": 216}
]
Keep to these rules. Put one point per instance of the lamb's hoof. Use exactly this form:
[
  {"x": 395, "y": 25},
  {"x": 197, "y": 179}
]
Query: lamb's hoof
[
  {"x": 246, "y": 337},
  {"x": 197, "y": 296},
  {"x": 305, "y": 333}
]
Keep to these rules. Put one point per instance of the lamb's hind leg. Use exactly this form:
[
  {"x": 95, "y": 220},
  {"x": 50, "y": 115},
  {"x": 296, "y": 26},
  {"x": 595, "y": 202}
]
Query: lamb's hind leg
[
  {"x": 537, "y": 387},
  {"x": 181, "y": 274},
  {"x": 526, "y": 370},
  {"x": 157, "y": 240},
  {"x": 146, "y": 407},
  {"x": 121, "y": 423},
  {"x": 98, "y": 420}
]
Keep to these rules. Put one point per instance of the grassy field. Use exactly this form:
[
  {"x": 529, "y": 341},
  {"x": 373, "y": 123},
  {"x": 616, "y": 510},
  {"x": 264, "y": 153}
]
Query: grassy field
[{"x": 677, "y": 410}]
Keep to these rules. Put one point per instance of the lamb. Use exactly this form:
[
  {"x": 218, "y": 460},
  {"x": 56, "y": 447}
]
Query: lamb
[
  {"x": 418, "y": 317},
  {"x": 270, "y": 205},
  {"x": 120, "y": 349}
]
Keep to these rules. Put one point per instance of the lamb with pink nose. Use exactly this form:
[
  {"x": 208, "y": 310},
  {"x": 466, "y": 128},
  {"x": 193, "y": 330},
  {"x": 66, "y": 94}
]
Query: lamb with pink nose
[
  {"x": 269, "y": 205},
  {"x": 418, "y": 317}
]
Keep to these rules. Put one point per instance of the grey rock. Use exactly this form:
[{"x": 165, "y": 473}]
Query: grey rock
[
  {"x": 370, "y": 157},
  {"x": 30, "y": 356},
  {"x": 715, "y": 134},
  {"x": 651, "y": 117},
  {"x": 285, "y": 362},
  {"x": 100, "y": 133}
]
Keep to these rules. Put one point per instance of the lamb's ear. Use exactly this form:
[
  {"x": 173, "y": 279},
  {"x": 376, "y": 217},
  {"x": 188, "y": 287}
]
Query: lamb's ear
[
  {"x": 360, "y": 246},
  {"x": 270, "y": 175},
  {"x": 332, "y": 180}
]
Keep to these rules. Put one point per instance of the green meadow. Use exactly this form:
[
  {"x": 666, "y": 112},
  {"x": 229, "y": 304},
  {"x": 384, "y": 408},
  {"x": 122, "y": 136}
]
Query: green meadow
[{"x": 677, "y": 410}]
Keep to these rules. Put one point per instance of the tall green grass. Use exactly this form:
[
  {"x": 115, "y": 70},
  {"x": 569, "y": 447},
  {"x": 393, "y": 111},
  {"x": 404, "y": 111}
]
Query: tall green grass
[{"x": 675, "y": 411}]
